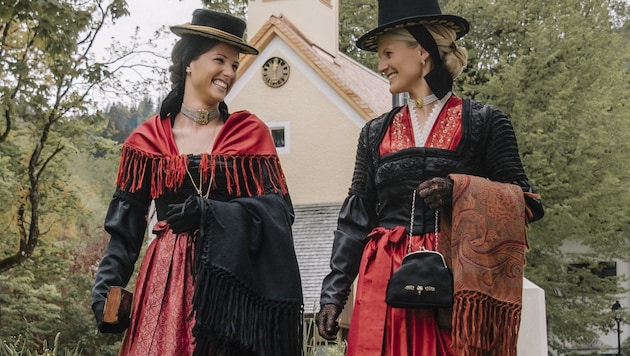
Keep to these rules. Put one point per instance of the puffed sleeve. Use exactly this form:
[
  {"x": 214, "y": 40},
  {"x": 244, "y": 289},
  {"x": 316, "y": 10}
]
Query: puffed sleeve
[
  {"x": 503, "y": 161},
  {"x": 126, "y": 222},
  {"x": 356, "y": 219}
]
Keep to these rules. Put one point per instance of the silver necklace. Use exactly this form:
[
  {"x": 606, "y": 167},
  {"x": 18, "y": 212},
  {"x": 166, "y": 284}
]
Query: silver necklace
[{"x": 201, "y": 116}]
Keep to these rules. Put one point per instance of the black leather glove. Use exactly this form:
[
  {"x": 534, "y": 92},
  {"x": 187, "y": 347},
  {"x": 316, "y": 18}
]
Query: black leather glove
[
  {"x": 436, "y": 192},
  {"x": 107, "y": 328},
  {"x": 184, "y": 217},
  {"x": 326, "y": 321}
]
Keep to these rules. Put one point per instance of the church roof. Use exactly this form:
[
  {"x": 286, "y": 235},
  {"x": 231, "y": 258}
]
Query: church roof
[{"x": 362, "y": 88}]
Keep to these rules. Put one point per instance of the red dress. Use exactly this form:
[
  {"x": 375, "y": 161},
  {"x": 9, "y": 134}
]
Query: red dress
[
  {"x": 405, "y": 332},
  {"x": 163, "y": 298}
]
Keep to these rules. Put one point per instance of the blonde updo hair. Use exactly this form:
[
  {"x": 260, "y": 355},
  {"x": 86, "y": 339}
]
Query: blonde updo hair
[{"x": 453, "y": 59}]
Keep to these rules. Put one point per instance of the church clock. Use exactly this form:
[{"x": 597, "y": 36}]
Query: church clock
[{"x": 275, "y": 72}]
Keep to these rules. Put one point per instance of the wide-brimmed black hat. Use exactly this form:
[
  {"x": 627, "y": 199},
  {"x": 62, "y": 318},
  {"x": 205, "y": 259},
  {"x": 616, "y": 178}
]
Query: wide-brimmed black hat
[
  {"x": 217, "y": 25},
  {"x": 394, "y": 14}
]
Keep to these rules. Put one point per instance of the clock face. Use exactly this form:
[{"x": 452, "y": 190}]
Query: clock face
[{"x": 275, "y": 72}]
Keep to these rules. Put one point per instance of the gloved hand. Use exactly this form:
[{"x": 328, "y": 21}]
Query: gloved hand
[
  {"x": 186, "y": 216},
  {"x": 107, "y": 328},
  {"x": 436, "y": 192},
  {"x": 326, "y": 321}
]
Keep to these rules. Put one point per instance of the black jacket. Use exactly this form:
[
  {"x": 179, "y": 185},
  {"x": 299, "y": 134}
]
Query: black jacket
[{"x": 381, "y": 190}]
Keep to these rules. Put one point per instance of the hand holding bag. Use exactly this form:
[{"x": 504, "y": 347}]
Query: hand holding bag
[{"x": 423, "y": 279}]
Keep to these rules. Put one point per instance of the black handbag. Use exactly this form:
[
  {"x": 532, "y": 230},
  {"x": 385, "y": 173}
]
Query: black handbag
[{"x": 423, "y": 279}]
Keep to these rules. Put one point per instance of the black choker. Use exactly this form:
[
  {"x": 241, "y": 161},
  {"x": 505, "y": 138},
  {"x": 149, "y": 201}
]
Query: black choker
[{"x": 201, "y": 116}]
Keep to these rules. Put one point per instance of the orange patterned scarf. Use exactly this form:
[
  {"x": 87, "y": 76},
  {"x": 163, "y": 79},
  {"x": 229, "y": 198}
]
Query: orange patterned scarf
[{"x": 487, "y": 236}]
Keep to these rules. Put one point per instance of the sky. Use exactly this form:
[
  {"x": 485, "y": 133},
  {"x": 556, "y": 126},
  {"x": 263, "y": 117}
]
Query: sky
[{"x": 149, "y": 16}]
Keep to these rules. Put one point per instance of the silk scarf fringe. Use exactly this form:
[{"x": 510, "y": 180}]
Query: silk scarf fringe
[
  {"x": 483, "y": 324},
  {"x": 170, "y": 172},
  {"x": 221, "y": 302}
]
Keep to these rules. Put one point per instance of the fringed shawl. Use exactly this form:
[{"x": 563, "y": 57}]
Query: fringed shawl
[
  {"x": 248, "y": 294},
  {"x": 244, "y": 142},
  {"x": 486, "y": 252}
]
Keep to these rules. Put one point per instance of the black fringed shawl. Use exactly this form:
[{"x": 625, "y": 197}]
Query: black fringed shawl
[{"x": 248, "y": 295}]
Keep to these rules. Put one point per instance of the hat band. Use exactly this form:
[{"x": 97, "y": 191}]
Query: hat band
[
  {"x": 439, "y": 79},
  {"x": 423, "y": 36},
  {"x": 216, "y": 31}
]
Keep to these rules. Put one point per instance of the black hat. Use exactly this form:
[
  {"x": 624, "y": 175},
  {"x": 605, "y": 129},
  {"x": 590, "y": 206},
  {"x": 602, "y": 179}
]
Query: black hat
[
  {"x": 393, "y": 14},
  {"x": 218, "y": 25}
]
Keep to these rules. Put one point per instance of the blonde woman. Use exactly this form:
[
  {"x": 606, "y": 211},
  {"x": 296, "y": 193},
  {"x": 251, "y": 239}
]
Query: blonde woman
[{"x": 460, "y": 159}]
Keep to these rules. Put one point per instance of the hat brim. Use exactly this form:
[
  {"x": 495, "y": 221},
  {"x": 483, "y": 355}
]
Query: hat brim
[
  {"x": 209, "y": 32},
  {"x": 369, "y": 41}
]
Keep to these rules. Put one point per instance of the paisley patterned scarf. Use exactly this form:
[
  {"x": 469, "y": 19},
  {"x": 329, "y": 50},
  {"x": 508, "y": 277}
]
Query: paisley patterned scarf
[{"x": 486, "y": 253}]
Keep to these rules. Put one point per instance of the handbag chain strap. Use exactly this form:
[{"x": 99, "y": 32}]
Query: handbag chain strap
[{"x": 413, "y": 213}]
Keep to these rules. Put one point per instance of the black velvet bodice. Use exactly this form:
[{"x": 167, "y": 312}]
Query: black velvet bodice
[
  {"x": 487, "y": 149},
  {"x": 397, "y": 177}
]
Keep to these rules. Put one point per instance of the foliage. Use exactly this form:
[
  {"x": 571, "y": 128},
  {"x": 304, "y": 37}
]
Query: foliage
[
  {"x": 49, "y": 293},
  {"x": 122, "y": 119},
  {"x": 550, "y": 67},
  {"x": 17, "y": 347},
  {"x": 357, "y": 17},
  {"x": 44, "y": 55},
  {"x": 235, "y": 7},
  {"x": 58, "y": 167},
  {"x": 48, "y": 110}
]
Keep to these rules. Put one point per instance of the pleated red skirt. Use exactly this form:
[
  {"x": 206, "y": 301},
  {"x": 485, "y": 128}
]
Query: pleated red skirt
[
  {"x": 377, "y": 329},
  {"x": 162, "y": 304}
]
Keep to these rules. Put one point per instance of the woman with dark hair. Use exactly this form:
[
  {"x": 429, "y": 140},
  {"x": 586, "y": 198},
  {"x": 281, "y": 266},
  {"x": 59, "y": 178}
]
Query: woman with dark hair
[
  {"x": 221, "y": 276},
  {"x": 440, "y": 173}
]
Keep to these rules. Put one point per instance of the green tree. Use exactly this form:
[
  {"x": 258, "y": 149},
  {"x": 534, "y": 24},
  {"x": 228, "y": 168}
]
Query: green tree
[
  {"x": 55, "y": 186},
  {"x": 122, "y": 118},
  {"x": 50, "y": 292},
  {"x": 559, "y": 69},
  {"x": 49, "y": 78},
  {"x": 235, "y": 7},
  {"x": 356, "y": 17}
]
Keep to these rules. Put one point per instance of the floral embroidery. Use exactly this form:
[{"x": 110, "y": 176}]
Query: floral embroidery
[
  {"x": 444, "y": 130},
  {"x": 400, "y": 137}
]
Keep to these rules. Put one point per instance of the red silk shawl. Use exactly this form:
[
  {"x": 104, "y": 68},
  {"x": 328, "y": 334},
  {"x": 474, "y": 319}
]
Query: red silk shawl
[{"x": 244, "y": 143}]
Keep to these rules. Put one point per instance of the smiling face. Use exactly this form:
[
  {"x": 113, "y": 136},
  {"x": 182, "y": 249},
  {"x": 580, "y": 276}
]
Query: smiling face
[
  {"x": 401, "y": 63},
  {"x": 210, "y": 76}
]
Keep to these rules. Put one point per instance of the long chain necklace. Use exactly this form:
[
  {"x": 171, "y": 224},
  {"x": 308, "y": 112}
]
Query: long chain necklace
[{"x": 198, "y": 188}]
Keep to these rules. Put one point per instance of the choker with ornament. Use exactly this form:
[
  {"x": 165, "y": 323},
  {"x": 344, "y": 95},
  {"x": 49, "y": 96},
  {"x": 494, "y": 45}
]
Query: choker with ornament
[
  {"x": 419, "y": 103},
  {"x": 201, "y": 116}
]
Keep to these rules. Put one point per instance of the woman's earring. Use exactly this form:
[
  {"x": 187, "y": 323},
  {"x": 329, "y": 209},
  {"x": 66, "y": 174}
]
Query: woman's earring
[{"x": 422, "y": 59}]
